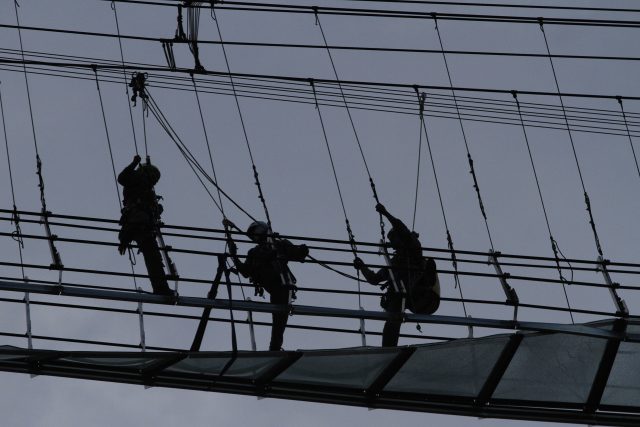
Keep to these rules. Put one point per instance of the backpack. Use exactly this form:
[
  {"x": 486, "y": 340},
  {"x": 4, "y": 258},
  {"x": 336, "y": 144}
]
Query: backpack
[{"x": 423, "y": 293}]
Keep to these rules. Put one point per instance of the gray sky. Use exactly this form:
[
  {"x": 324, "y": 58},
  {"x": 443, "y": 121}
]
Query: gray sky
[{"x": 290, "y": 155}]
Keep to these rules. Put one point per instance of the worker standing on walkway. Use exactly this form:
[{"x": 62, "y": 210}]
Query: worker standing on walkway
[
  {"x": 266, "y": 265},
  {"x": 409, "y": 277}
]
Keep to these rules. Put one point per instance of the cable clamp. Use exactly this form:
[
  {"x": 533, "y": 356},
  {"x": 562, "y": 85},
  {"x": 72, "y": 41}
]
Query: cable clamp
[
  {"x": 621, "y": 306},
  {"x": 510, "y": 292}
]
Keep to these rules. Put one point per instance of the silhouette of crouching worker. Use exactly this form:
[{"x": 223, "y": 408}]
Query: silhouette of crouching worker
[
  {"x": 405, "y": 264},
  {"x": 266, "y": 265},
  {"x": 139, "y": 213}
]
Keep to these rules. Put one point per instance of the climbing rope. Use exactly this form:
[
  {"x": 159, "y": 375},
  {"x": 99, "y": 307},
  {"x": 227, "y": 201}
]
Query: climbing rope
[
  {"x": 353, "y": 126},
  {"x": 244, "y": 128},
  {"x": 454, "y": 261},
  {"x": 206, "y": 138},
  {"x": 554, "y": 243},
  {"x": 130, "y": 253},
  {"x": 587, "y": 201},
  {"x": 124, "y": 76},
  {"x": 191, "y": 159},
  {"x": 464, "y": 135},
  {"x": 215, "y": 177}
]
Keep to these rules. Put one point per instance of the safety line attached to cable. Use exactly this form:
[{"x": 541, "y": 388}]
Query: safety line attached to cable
[
  {"x": 206, "y": 138},
  {"x": 190, "y": 158}
]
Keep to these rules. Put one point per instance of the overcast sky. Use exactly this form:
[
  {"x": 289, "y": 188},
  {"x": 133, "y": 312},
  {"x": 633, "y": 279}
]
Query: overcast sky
[{"x": 290, "y": 155}]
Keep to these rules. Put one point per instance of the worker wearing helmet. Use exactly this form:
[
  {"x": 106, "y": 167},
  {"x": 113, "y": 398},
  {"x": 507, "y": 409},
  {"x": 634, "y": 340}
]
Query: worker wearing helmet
[
  {"x": 408, "y": 270},
  {"x": 140, "y": 212},
  {"x": 266, "y": 265}
]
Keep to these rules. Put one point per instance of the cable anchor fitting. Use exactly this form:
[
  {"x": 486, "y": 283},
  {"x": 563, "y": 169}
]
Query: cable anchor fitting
[
  {"x": 510, "y": 292},
  {"x": 620, "y": 304}
]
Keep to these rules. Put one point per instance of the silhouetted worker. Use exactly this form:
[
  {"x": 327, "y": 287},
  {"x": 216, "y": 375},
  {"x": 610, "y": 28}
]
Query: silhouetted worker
[
  {"x": 266, "y": 267},
  {"x": 140, "y": 212},
  {"x": 410, "y": 271}
]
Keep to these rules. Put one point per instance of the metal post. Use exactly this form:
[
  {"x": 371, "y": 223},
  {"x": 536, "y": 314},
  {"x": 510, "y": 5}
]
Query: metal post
[
  {"x": 27, "y": 307},
  {"x": 164, "y": 249},
  {"x": 621, "y": 305},
  {"x": 363, "y": 331},
  {"x": 141, "y": 320},
  {"x": 251, "y": 330}
]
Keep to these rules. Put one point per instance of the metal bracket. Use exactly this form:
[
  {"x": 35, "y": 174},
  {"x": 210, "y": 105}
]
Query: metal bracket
[
  {"x": 509, "y": 292},
  {"x": 621, "y": 305},
  {"x": 56, "y": 259},
  {"x": 27, "y": 306},
  {"x": 143, "y": 345}
]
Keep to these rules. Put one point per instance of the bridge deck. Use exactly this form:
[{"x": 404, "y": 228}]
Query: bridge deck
[{"x": 557, "y": 376}]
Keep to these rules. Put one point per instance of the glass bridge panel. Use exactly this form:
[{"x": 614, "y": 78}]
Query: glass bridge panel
[
  {"x": 552, "y": 368},
  {"x": 356, "y": 368},
  {"x": 457, "y": 368}
]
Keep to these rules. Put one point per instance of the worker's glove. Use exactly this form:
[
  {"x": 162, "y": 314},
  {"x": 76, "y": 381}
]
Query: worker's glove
[
  {"x": 228, "y": 224},
  {"x": 305, "y": 250},
  {"x": 122, "y": 248},
  {"x": 381, "y": 209},
  {"x": 233, "y": 249},
  {"x": 136, "y": 159},
  {"x": 358, "y": 264}
]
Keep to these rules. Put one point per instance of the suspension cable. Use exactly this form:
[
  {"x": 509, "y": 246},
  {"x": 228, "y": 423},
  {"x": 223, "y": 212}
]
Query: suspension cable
[
  {"x": 554, "y": 243},
  {"x": 352, "y": 240},
  {"x": 626, "y": 125},
  {"x": 464, "y": 135},
  {"x": 124, "y": 76},
  {"x": 587, "y": 201},
  {"x": 454, "y": 261},
  {"x": 244, "y": 128},
  {"x": 352, "y": 243},
  {"x": 15, "y": 219},
  {"x": 421, "y": 100},
  {"x": 144, "y": 127},
  {"x": 55, "y": 255},
  {"x": 353, "y": 126}
]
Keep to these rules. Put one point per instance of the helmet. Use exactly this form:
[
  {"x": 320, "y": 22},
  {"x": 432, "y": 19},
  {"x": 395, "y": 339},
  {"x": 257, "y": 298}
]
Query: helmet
[
  {"x": 257, "y": 229},
  {"x": 151, "y": 172}
]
